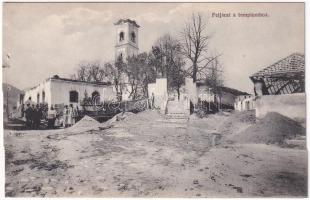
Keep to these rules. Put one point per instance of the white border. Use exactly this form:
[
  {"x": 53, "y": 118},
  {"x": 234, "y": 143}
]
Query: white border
[{"x": 2, "y": 161}]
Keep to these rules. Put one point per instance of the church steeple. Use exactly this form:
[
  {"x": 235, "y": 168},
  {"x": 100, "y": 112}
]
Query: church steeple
[{"x": 126, "y": 39}]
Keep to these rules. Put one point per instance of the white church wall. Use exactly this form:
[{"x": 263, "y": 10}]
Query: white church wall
[
  {"x": 58, "y": 92},
  {"x": 39, "y": 89},
  {"x": 109, "y": 94},
  {"x": 61, "y": 91}
]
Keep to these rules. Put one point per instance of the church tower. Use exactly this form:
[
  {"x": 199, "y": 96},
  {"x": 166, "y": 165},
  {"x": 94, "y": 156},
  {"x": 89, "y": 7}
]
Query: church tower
[{"x": 126, "y": 39}]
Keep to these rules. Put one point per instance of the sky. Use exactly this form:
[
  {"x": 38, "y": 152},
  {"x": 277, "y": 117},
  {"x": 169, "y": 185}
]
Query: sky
[{"x": 44, "y": 39}]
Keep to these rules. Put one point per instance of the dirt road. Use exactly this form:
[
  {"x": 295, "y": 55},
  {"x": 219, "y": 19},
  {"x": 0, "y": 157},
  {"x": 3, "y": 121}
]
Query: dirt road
[{"x": 144, "y": 156}]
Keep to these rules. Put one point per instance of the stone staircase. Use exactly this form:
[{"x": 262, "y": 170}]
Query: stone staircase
[{"x": 176, "y": 113}]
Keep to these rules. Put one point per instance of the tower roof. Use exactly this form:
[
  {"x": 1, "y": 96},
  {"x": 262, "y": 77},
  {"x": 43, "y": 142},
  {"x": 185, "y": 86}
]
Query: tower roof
[{"x": 120, "y": 21}]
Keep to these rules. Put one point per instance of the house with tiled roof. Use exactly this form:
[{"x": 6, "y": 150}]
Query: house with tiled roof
[
  {"x": 280, "y": 87},
  {"x": 285, "y": 76}
]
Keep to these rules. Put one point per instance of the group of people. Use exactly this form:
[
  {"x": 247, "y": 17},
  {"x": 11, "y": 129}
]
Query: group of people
[
  {"x": 70, "y": 115},
  {"x": 33, "y": 114}
]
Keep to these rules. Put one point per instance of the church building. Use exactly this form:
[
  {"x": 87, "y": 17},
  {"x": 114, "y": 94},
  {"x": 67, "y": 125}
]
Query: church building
[
  {"x": 126, "y": 39},
  {"x": 126, "y": 45}
]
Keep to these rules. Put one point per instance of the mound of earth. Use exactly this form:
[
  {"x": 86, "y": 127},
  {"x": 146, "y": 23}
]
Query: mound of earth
[
  {"x": 144, "y": 116},
  {"x": 120, "y": 117},
  {"x": 85, "y": 123},
  {"x": 147, "y": 115},
  {"x": 274, "y": 128},
  {"x": 245, "y": 116}
]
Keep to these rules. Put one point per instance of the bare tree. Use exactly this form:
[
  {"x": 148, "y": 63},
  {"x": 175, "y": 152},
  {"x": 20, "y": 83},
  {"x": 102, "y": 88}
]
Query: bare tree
[
  {"x": 214, "y": 77},
  {"x": 140, "y": 73},
  {"x": 169, "y": 61},
  {"x": 115, "y": 74},
  {"x": 91, "y": 72},
  {"x": 96, "y": 72},
  {"x": 194, "y": 43},
  {"x": 156, "y": 59}
]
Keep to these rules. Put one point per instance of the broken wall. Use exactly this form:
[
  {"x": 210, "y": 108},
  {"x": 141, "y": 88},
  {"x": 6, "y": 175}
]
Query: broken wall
[{"x": 290, "y": 105}]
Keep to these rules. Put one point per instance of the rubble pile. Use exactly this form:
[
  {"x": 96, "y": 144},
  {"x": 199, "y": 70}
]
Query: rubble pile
[
  {"x": 86, "y": 123},
  {"x": 274, "y": 128},
  {"x": 120, "y": 117}
]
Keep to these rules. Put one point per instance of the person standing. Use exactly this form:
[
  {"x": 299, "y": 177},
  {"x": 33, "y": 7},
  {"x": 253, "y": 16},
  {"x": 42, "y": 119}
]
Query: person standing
[
  {"x": 32, "y": 116},
  {"x": 36, "y": 117},
  {"x": 152, "y": 101},
  {"x": 74, "y": 115},
  {"x": 70, "y": 115},
  {"x": 65, "y": 116},
  {"x": 28, "y": 116},
  {"x": 51, "y": 117},
  {"x": 22, "y": 110}
]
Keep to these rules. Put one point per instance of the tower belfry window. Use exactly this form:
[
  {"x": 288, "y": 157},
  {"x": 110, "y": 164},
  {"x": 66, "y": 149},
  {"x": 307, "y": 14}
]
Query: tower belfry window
[
  {"x": 120, "y": 57},
  {"x": 121, "y": 36},
  {"x": 43, "y": 97},
  {"x": 133, "y": 37},
  {"x": 38, "y": 98}
]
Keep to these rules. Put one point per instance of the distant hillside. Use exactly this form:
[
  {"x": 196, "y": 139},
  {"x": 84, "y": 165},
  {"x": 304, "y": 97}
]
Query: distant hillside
[{"x": 13, "y": 95}]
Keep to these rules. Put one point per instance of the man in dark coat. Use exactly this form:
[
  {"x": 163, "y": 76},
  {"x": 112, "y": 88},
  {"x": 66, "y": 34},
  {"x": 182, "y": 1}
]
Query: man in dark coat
[
  {"x": 28, "y": 115},
  {"x": 36, "y": 116}
]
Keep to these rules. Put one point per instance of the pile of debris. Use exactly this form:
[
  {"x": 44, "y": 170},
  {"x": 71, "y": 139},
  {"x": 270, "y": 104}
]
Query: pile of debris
[
  {"x": 86, "y": 121},
  {"x": 274, "y": 128},
  {"x": 120, "y": 117},
  {"x": 85, "y": 124}
]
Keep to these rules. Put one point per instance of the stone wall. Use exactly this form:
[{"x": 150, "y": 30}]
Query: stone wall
[
  {"x": 290, "y": 105},
  {"x": 60, "y": 91},
  {"x": 38, "y": 91},
  {"x": 159, "y": 88},
  {"x": 244, "y": 102},
  {"x": 191, "y": 90}
]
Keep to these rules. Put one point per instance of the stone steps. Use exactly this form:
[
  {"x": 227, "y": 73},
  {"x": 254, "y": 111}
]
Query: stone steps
[
  {"x": 176, "y": 113},
  {"x": 176, "y": 120},
  {"x": 176, "y": 116}
]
